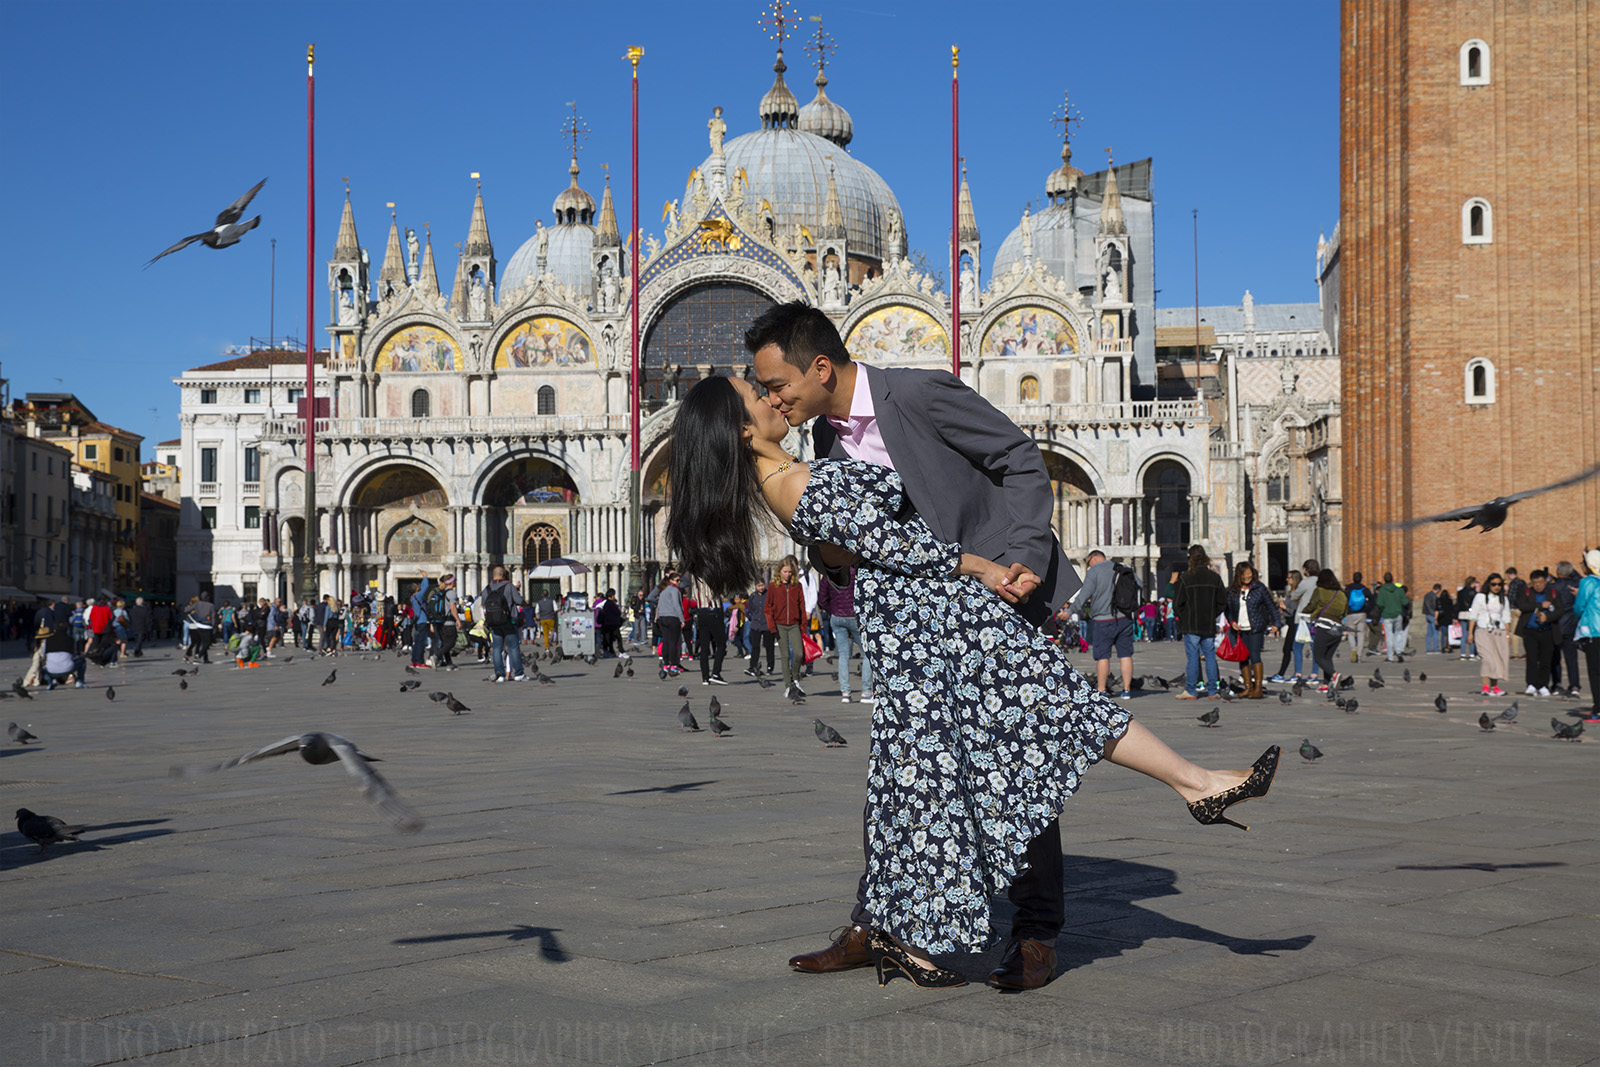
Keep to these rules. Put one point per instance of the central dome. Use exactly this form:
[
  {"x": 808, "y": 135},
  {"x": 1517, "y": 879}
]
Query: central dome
[{"x": 789, "y": 168}]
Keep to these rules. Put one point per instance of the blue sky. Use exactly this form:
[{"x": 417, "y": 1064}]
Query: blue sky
[{"x": 128, "y": 126}]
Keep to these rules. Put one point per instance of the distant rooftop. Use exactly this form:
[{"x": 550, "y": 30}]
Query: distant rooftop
[
  {"x": 271, "y": 357},
  {"x": 1269, "y": 318}
]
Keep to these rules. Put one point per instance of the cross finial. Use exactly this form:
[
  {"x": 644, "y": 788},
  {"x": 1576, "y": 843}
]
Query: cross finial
[
  {"x": 575, "y": 129},
  {"x": 346, "y": 187},
  {"x": 1066, "y": 116},
  {"x": 1109, "y": 161},
  {"x": 821, "y": 45},
  {"x": 776, "y": 22}
]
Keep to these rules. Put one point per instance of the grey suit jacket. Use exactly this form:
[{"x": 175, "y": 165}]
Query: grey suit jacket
[{"x": 970, "y": 472}]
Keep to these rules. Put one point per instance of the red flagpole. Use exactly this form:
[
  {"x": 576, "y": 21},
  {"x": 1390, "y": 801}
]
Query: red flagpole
[
  {"x": 955, "y": 211},
  {"x": 308, "y": 581},
  {"x": 635, "y": 390}
]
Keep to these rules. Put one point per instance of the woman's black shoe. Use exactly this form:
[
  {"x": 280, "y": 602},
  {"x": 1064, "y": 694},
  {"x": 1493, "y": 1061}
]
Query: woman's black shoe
[
  {"x": 1212, "y": 809},
  {"x": 888, "y": 956}
]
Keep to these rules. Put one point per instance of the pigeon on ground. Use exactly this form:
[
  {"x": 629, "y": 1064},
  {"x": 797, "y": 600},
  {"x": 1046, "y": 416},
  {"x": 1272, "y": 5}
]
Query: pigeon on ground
[
  {"x": 1485, "y": 723},
  {"x": 1407, "y": 674},
  {"x": 686, "y": 719},
  {"x": 1299, "y": 687},
  {"x": 410, "y": 684},
  {"x": 319, "y": 747},
  {"x": 1210, "y": 718},
  {"x": 180, "y": 670},
  {"x": 1285, "y": 698},
  {"x": 1309, "y": 752},
  {"x": 1488, "y": 516},
  {"x": 18, "y": 735},
  {"x": 1567, "y": 731},
  {"x": 618, "y": 672},
  {"x": 455, "y": 706},
  {"x": 183, "y": 684},
  {"x": 1347, "y": 682},
  {"x": 45, "y": 830},
  {"x": 18, "y": 688},
  {"x": 228, "y": 229},
  {"x": 545, "y": 679},
  {"x": 1510, "y": 714},
  {"x": 438, "y": 696},
  {"x": 1151, "y": 681},
  {"x": 794, "y": 694},
  {"x": 1377, "y": 676},
  {"x": 410, "y": 669},
  {"x": 829, "y": 737},
  {"x": 1338, "y": 701},
  {"x": 1440, "y": 704},
  {"x": 332, "y": 677},
  {"x": 288, "y": 659},
  {"x": 663, "y": 674},
  {"x": 1374, "y": 684},
  {"x": 1423, "y": 677},
  {"x": 1351, "y": 705},
  {"x": 718, "y": 727},
  {"x": 630, "y": 670},
  {"x": 111, "y": 692},
  {"x": 716, "y": 707},
  {"x": 764, "y": 682},
  {"x": 683, "y": 690}
]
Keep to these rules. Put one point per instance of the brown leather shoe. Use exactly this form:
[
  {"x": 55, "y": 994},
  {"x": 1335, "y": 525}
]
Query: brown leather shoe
[
  {"x": 1026, "y": 965},
  {"x": 848, "y": 951}
]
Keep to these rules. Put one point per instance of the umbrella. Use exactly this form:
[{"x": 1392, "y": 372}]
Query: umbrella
[{"x": 559, "y": 567}]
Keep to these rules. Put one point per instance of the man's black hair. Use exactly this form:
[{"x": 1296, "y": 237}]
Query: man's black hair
[{"x": 801, "y": 332}]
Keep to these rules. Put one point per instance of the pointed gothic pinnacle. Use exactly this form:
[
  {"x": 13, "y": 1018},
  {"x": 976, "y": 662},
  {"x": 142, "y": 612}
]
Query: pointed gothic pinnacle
[
  {"x": 608, "y": 235},
  {"x": 347, "y": 247},
  {"x": 428, "y": 276},
  {"x": 1111, "y": 220},
  {"x": 833, "y": 215},
  {"x": 968, "y": 229},
  {"x": 394, "y": 261},
  {"x": 458, "y": 290},
  {"x": 478, "y": 243}
]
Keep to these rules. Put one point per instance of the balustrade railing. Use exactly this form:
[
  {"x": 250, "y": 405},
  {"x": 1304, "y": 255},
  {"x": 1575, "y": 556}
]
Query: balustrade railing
[
  {"x": 1121, "y": 411},
  {"x": 449, "y": 426}
]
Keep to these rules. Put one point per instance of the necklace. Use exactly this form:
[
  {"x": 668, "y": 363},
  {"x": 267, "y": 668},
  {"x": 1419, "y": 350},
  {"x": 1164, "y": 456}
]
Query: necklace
[{"x": 785, "y": 465}]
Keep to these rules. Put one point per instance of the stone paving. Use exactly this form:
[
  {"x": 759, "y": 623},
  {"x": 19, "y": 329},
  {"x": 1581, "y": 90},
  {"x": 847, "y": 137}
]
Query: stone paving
[{"x": 595, "y": 886}]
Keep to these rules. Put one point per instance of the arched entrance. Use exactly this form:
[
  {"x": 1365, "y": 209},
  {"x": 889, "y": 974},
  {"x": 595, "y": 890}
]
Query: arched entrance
[
  {"x": 1167, "y": 526},
  {"x": 1073, "y": 491},
  {"x": 528, "y": 502},
  {"x": 398, "y": 520},
  {"x": 701, "y": 328}
]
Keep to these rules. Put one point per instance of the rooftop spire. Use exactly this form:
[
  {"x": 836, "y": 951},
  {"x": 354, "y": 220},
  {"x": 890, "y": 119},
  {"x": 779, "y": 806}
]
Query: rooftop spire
[
  {"x": 833, "y": 215},
  {"x": 573, "y": 205},
  {"x": 347, "y": 247},
  {"x": 478, "y": 243},
  {"x": 608, "y": 235},
  {"x": 779, "y": 109},
  {"x": 1111, "y": 220},
  {"x": 1063, "y": 181},
  {"x": 822, "y": 116},
  {"x": 458, "y": 289},
  {"x": 394, "y": 261},
  {"x": 968, "y": 228},
  {"x": 428, "y": 279}
]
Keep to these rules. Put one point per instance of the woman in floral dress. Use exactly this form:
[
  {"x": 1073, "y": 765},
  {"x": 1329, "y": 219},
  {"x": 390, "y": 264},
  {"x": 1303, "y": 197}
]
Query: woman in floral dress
[{"x": 982, "y": 730}]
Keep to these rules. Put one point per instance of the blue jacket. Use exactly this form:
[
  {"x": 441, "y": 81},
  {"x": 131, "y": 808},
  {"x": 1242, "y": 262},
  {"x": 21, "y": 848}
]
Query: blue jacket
[{"x": 1587, "y": 607}]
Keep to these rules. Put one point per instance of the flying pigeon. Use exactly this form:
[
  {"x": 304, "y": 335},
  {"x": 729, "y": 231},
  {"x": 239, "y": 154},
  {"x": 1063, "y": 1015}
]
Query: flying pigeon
[
  {"x": 18, "y": 688},
  {"x": 686, "y": 719},
  {"x": 319, "y": 748},
  {"x": 332, "y": 677},
  {"x": 718, "y": 727},
  {"x": 111, "y": 692},
  {"x": 228, "y": 229},
  {"x": 1309, "y": 752},
  {"x": 1210, "y": 718},
  {"x": 455, "y": 706},
  {"x": 829, "y": 737},
  {"x": 1488, "y": 516},
  {"x": 1440, "y": 704},
  {"x": 19, "y": 735},
  {"x": 1567, "y": 731},
  {"x": 1510, "y": 714},
  {"x": 1485, "y": 723},
  {"x": 1351, "y": 705},
  {"x": 45, "y": 830}
]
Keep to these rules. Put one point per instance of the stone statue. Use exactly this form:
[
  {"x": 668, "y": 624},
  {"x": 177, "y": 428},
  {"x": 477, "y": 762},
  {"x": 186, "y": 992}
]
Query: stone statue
[
  {"x": 1113, "y": 287},
  {"x": 478, "y": 301},
  {"x": 1027, "y": 234},
  {"x": 832, "y": 284},
  {"x": 897, "y": 232},
  {"x": 347, "y": 307},
  {"x": 610, "y": 289},
  {"x": 411, "y": 259},
  {"x": 541, "y": 246},
  {"x": 718, "y": 128},
  {"x": 969, "y": 279}
]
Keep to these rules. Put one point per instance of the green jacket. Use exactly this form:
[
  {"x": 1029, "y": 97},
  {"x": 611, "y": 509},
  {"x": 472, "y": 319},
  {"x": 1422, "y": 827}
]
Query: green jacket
[{"x": 1391, "y": 601}]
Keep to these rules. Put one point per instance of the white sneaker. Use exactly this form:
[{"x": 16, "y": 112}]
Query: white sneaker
[
  {"x": 520, "y": 678},
  {"x": 869, "y": 699},
  {"x": 845, "y": 699},
  {"x": 1531, "y": 691},
  {"x": 1544, "y": 691}
]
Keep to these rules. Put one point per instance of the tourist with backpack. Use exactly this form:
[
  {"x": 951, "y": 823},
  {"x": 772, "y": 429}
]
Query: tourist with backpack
[
  {"x": 1110, "y": 596},
  {"x": 502, "y": 606},
  {"x": 1357, "y": 601}
]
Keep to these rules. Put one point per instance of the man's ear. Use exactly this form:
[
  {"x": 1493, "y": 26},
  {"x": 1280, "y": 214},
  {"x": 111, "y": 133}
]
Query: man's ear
[{"x": 827, "y": 373}]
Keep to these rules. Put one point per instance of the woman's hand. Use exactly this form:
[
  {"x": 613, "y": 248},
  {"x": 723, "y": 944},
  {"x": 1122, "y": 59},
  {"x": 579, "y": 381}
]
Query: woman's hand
[
  {"x": 1013, "y": 583},
  {"x": 837, "y": 558}
]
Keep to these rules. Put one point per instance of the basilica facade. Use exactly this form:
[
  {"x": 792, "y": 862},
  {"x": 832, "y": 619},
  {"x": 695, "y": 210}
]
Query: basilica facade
[{"x": 489, "y": 423}]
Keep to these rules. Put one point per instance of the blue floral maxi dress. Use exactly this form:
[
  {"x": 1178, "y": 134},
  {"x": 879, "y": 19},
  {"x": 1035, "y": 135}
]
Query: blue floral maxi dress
[{"x": 981, "y": 730}]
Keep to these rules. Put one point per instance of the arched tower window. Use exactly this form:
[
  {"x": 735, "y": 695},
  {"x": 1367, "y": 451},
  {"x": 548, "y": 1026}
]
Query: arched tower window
[
  {"x": 1475, "y": 63},
  {"x": 419, "y": 404},
  {"x": 1477, "y": 222},
  {"x": 1028, "y": 392},
  {"x": 1480, "y": 381},
  {"x": 547, "y": 400}
]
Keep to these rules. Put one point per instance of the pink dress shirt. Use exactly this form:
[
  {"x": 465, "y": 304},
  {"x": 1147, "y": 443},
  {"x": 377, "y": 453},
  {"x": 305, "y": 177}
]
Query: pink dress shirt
[{"x": 859, "y": 435}]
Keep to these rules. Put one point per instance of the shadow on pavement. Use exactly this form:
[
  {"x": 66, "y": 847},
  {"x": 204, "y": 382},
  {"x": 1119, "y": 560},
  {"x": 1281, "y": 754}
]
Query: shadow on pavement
[{"x": 549, "y": 947}]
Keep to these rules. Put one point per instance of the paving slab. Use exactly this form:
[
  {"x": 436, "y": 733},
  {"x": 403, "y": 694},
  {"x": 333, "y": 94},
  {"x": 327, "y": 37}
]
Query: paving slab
[{"x": 594, "y": 886}]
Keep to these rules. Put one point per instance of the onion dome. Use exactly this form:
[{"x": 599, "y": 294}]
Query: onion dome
[
  {"x": 779, "y": 109},
  {"x": 826, "y": 119},
  {"x": 574, "y": 205},
  {"x": 1063, "y": 181},
  {"x": 568, "y": 242}
]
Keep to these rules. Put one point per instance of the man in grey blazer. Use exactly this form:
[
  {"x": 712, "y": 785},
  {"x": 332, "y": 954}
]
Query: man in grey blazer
[{"x": 973, "y": 477}]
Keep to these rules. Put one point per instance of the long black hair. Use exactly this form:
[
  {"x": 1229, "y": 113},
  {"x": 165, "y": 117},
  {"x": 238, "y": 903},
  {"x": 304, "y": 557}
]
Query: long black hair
[{"x": 716, "y": 498}]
